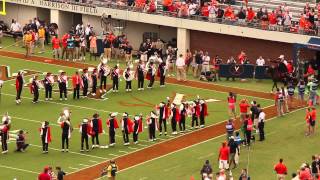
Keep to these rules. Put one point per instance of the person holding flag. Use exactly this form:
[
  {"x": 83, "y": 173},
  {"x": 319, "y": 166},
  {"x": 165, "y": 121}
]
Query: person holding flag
[
  {"x": 96, "y": 124},
  {"x": 137, "y": 127},
  {"x": 45, "y": 134},
  {"x": 127, "y": 128},
  {"x": 112, "y": 124}
]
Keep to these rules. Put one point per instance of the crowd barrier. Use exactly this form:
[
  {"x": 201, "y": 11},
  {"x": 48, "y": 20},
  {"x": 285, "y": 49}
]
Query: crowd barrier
[{"x": 244, "y": 71}]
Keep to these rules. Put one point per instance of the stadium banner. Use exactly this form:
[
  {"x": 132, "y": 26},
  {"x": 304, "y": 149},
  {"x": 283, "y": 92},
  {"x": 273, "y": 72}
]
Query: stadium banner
[
  {"x": 58, "y": 6},
  {"x": 243, "y": 71}
]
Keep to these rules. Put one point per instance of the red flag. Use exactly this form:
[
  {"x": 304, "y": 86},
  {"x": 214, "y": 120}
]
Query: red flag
[
  {"x": 130, "y": 126},
  {"x": 116, "y": 125},
  {"x": 177, "y": 115},
  {"x": 205, "y": 109},
  {"x": 48, "y": 138},
  {"x": 100, "y": 125},
  {"x": 140, "y": 128}
]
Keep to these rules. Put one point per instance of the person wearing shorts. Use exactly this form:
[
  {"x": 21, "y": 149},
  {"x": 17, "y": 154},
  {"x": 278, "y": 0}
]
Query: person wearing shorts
[
  {"x": 223, "y": 157},
  {"x": 313, "y": 117},
  {"x": 243, "y": 109},
  {"x": 28, "y": 43},
  {"x": 231, "y": 104},
  {"x": 281, "y": 170},
  {"x": 56, "y": 47},
  {"x": 93, "y": 46}
]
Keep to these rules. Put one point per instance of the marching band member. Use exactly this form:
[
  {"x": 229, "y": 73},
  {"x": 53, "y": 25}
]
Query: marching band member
[
  {"x": 19, "y": 86},
  {"x": 96, "y": 124},
  {"x": 104, "y": 71},
  {"x": 85, "y": 82},
  {"x": 175, "y": 118},
  {"x": 34, "y": 88},
  {"x": 195, "y": 111},
  {"x": 152, "y": 126},
  {"x": 126, "y": 126},
  {"x": 151, "y": 71},
  {"x": 203, "y": 112},
  {"x": 94, "y": 78},
  {"x": 85, "y": 130},
  {"x": 115, "y": 78},
  {"x": 48, "y": 83},
  {"x": 128, "y": 76},
  {"x": 76, "y": 82},
  {"x": 66, "y": 128},
  {"x": 4, "y": 134},
  {"x": 140, "y": 75},
  {"x": 63, "y": 84},
  {"x": 162, "y": 73},
  {"x": 183, "y": 116},
  {"x": 112, "y": 124},
  {"x": 163, "y": 112},
  {"x": 45, "y": 134},
  {"x": 137, "y": 128}
]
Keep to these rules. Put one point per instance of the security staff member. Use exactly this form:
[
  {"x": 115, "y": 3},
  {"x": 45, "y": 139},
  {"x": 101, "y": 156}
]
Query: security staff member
[{"x": 261, "y": 120}]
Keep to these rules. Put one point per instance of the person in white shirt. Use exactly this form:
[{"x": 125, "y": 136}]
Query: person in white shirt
[
  {"x": 15, "y": 29},
  {"x": 206, "y": 63},
  {"x": 261, "y": 119},
  {"x": 180, "y": 64},
  {"x": 260, "y": 61},
  {"x": 192, "y": 9}
]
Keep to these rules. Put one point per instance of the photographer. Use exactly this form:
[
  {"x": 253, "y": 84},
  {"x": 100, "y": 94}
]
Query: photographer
[{"x": 21, "y": 141}]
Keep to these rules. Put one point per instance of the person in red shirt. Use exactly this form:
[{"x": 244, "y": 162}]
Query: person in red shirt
[
  {"x": 76, "y": 82},
  {"x": 241, "y": 57},
  {"x": 304, "y": 173},
  {"x": 223, "y": 157},
  {"x": 44, "y": 175},
  {"x": 250, "y": 15},
  {"x": 205, "y": 10},
  {"x": 290, "y": 67},
  {"x": 56, "y": 47},
  {"x": 248, "y": 127},
  {"x": 272, "y": 21},
  {"x": 228, "y": 12},
  {"x": 244, "y": 105},
  {"x": 64, "y": 45},
  {"x": 313, "y": 116},
  {"x": 281, "y": 170}
]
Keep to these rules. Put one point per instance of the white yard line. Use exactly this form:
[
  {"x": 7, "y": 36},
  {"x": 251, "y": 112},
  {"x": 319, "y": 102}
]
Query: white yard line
[
  {"x": 113, "y": 155},
  {"x": 71, "y": 152},
  {"x": 133, "y": 148},
  {"x": 18, "y": 169},
  {"x": 93, "y": 161},
  {"x": 73, "y": 168},
  {"x": 126, "y": 152},
  {"x": 86, "y": 165}
]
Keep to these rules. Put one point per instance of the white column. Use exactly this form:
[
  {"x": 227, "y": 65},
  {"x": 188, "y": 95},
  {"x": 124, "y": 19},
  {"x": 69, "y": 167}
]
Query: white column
[{"x": 183, "y": 40}]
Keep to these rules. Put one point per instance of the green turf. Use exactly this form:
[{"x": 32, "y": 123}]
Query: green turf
[
  {"x": 28, "y": 116},
  {"x": 284, "y": 139}
]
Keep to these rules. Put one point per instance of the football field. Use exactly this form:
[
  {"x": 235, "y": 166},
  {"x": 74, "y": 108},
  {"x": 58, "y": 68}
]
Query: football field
[{"x": 28, "y": 116}]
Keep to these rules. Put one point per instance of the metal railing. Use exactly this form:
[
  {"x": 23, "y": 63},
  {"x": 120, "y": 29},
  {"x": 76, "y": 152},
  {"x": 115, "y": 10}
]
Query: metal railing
[{"x": 258, "y": 24}]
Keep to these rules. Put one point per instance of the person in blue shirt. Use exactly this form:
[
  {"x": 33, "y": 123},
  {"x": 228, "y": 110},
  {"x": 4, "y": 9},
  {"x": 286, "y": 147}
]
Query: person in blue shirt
[
  {"x": 290, "y": 90},
  {"x": 301, "y": 90},
  {"x": 70, "y": 48}
]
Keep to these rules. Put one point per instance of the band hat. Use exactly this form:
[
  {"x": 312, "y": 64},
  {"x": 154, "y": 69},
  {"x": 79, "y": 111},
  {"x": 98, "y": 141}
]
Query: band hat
[
  {"x": 91, "y": 69},
  {"x": 61, "y": 71},
  {"x": 125, "y": 114},
  {"x": 14, "y": 74},
  {"x": 161, "y": 104},
  {"x": 202, "y": 101},
  {"x": 281, "y": 56},
  {"x": 30, "y": 80},
  {"x": 114, "y": 114},
  {"x": 104, "y": 61},
  {"x": 80, "y": 70},
  {"x": 231, "y": 137},
  {"x": 44, "y": 73},
  {"x": 153, "y": 114},
  {"x": 85, "y": 120},
  {"x": 136, "y": 117}
]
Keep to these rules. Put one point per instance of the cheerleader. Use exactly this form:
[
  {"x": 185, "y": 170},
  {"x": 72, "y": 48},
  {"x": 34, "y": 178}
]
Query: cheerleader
[
  {"x": 85, "y": 81},
  {"x": 137, "y": 128},
  {"x": 63, "y": 84},
  {"x": 115, "y": 78},
  {"x": 48, "y": 83},
  {"x": 34, "y": 88},
  {"x": 45, "y": 134},
  {"x": 151, "y": 70},
  {"x": 140, "y": 75},
  {"x": 232, "y": 99},
  {"x": 128, "y": 76},
  {"x": 152, "y": 126}
]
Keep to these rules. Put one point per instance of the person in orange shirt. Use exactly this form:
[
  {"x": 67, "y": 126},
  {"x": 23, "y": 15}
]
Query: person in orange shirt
[
  {"x": 281, "y": 170},
  {"x": 28, "y": 43},
  {"x": 313, "y": 116},
  {"x": 205, "y": 10},
  {"x": 272, "y": 21},
  {"x": 228, "y": 12},
  {"x": 41, "y": 36},
  {"x": 302, "y": 23}
]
